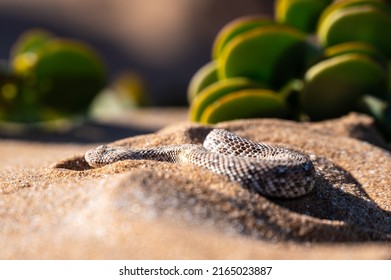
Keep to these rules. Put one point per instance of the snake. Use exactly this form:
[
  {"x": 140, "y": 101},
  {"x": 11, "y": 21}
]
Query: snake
[{"x": 272, "y": 171}]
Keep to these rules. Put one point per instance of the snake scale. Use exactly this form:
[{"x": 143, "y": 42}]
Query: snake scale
[{"x": 269, "y": 170}]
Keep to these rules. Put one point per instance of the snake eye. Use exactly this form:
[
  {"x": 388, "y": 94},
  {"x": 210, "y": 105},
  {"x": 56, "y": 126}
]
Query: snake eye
[{"x": 308, "y": 166}]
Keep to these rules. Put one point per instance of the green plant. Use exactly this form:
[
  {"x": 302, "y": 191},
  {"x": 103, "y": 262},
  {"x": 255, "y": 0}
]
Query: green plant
[{"x": 319, "y": 59}]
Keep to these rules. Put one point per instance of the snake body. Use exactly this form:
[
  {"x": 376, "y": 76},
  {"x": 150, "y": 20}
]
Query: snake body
[{"x": 269, "y": 170}]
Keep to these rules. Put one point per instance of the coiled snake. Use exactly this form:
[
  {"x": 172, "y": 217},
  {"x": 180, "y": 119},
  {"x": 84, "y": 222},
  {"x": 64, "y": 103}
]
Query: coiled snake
[{"x": 269, "y": 170}]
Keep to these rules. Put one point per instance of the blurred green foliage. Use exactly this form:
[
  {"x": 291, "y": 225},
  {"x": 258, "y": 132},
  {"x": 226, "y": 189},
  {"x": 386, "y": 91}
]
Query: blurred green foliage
[{"x": 48, "y": 77}]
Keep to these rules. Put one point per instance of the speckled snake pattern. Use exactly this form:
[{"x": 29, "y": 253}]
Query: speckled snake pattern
[{"x": 269, "y": 170}]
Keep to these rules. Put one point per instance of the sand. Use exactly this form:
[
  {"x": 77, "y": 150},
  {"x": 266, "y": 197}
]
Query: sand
[{"x": 53, "y": 206}]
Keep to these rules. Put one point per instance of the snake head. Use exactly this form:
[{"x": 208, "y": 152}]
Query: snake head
[
  {"x": 102, "y": 155},
  {"x": 94, "y": 156}
]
